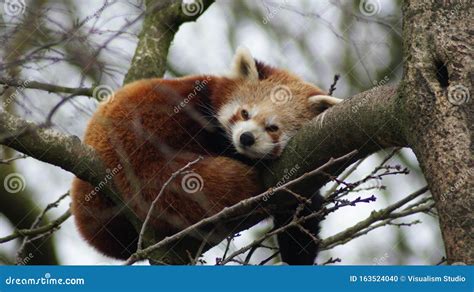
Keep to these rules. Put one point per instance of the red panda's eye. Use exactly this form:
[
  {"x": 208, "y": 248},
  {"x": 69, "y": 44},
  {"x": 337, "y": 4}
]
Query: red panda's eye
[
  {"x": 272, "y": 128},
  {"x": 245, "y": 114}
]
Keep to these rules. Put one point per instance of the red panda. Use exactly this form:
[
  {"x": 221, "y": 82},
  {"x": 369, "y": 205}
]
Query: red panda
[{"x": 151, "y": 128}]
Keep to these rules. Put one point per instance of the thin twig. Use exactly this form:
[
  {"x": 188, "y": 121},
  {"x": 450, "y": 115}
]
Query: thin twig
[
  {"x": 333, "y": 85},
  {"x": 51, "y": 227},
  {"x": 331, "y": 261},
  {"x": 342, "y": 236},
  {"x": 295, "y": 222},
  {"x": 155, "y": 201},
  {"x": 269, "y": 258},
  {"x": 230, "y": 211},
  {"x": 40, "y": 230},
  {"x": 10, "y": 160}
]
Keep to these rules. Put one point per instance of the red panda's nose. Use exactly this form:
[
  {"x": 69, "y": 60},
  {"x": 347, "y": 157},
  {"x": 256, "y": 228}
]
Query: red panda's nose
[{"x": 247, "y": 139}]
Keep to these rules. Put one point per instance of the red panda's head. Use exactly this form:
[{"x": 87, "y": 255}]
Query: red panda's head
[{"x": 263, "y": 107}]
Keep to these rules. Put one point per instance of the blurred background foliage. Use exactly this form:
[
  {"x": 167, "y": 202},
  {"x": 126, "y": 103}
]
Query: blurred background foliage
[{"x": 87, "y": 43}]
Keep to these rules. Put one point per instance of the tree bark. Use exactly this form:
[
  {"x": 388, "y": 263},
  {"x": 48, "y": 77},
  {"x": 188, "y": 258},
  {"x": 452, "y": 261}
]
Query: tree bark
[
  {"x": 162, "y": 21},
  {"x": 438, "y": 113}
]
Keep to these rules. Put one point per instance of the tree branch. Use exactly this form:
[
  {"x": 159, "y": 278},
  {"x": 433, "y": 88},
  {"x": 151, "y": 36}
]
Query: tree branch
[
  {"x": 47, "y": 87},
  {"x": 348, "y": 234},
  {"x": 39, "y": 230},
  {"x": 227, "y": 214},
  {"x": 367, "y": 122},
  {"x": 162, "y": 21},
  {"x": 60, "y": 150},
  {"x": 373, "y": 117}
]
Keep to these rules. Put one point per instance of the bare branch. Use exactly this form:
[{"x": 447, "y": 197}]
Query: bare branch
[
  {"x": 10, "y": 160},
  {"x": 47, "y": 87},
  {"x": 37, "y": 231},
  {"x": 332, "y": 88},
  {"x": 242, "y": 207},
  {"x": 54, "y": 225},
  {"x": 61, "y": 150},
  {"x": 375, "y": 216}
]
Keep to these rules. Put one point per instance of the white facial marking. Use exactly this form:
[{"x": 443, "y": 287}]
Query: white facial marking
[
  {"x": 253, "y": 111},
  {"x": 272, "y": 120},
  {"x": 226, "y": 113}
]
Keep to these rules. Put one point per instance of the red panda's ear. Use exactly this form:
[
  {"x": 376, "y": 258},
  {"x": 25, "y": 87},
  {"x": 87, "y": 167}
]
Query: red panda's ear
[
  {"x": 243, "y": 65},
  {"x": 320, "y": 103}
]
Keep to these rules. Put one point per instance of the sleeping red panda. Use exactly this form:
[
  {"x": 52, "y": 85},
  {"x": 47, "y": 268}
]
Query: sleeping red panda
[{"x": 151, "y": 128}]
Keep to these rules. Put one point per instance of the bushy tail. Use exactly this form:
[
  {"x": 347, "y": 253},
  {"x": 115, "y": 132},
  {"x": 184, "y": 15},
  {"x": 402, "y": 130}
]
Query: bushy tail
[
  {"x": 101, "y": 223},
  {"x": 212, "y": 184}
]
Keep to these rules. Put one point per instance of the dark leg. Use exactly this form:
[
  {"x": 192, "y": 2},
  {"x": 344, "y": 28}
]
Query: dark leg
[{"x": 296, "y": 246}]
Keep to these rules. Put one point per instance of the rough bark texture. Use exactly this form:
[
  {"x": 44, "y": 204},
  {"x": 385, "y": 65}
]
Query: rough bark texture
[
  {"x": 162, "y": 21},
  {"x": 438, "y": 112},
  {"x": 367, "y": 122},
  {"x": 60, "y": 150}
]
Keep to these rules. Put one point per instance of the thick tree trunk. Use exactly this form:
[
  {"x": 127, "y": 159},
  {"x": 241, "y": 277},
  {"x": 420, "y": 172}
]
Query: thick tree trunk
[{"x": 438, "y": 113}]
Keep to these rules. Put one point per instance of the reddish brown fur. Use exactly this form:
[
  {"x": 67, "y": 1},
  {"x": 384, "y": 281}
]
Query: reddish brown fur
[
  {"x": 127, "y": 131},
  {"x": 141, "y": 131}
]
